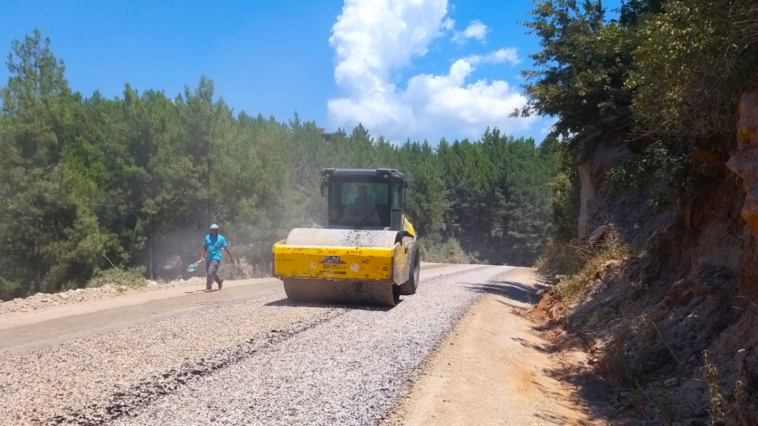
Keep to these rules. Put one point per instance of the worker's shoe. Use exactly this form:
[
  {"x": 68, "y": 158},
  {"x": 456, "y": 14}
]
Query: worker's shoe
[{"x": 220, "y": 284}]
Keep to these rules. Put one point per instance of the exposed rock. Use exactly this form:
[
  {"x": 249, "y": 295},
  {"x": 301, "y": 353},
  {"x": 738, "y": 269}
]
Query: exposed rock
[
  {"x": 747, "y": 127},
  {"x": 700, "y": 156},
  {"x": 682, "y": 292},
  {"x": 744, "y": 163},
  {"x": 608, "y": 155},
  {"x": 750, "y": 209}
]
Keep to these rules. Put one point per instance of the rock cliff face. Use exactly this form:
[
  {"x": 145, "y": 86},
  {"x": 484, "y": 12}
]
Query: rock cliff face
[
  {"x": 693, "y": 281},
  {"x": 608, "y": 154},
  {"x": 744, "y": 163}
]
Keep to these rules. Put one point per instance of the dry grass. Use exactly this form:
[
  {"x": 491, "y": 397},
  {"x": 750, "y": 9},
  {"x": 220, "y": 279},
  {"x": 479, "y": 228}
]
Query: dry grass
[
  {"x": 561, "y": 258},
  {"x": 449, "y": 251},
  {"x": 119, "y": 278},
  {"x": 727, "y": 408},
  {"x": 587, "y": 263}
]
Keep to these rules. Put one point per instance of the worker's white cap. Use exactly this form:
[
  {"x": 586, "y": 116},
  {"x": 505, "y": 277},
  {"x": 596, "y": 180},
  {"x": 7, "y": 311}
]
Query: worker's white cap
[{"x": 214, "y": 226}]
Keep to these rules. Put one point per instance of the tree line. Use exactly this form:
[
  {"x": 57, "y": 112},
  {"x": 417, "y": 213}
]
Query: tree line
[{"x": 91, "y": 184}]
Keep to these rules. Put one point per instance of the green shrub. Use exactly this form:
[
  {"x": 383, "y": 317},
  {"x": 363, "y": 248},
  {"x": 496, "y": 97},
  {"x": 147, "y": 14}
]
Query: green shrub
[
  {"x": 434, "y": 250},
  {"x": 646, "y": 171},
  {"x": 130, "y": 277},
  {"x": 691, "y": 65},
  {"x": 9, "y": 289}
]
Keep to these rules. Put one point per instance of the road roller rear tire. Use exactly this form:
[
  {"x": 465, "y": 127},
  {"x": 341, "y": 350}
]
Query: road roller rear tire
[{"x": 410, "y": 286}]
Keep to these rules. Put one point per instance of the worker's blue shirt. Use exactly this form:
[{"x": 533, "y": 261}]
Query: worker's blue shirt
[{"x": 214, "y": 245}]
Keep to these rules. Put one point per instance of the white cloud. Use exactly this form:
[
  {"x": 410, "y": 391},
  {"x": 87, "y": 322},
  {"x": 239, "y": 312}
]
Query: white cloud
[
  {"x": 497, "y": 57},
  {"x": 449, "y": 24},
  {"x": 476, "y": 30},
  {"x": 373, "y": 39}
]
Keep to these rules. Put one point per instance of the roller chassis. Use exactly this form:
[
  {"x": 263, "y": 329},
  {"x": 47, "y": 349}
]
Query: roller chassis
[{"x": 353, "y": 264}]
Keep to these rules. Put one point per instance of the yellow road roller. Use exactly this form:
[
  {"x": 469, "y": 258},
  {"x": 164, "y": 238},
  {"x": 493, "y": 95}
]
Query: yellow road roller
[{"x": 368, "y": 253}]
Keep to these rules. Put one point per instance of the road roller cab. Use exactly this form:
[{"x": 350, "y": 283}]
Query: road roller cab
[
  {"x": 367, "y": 254},
  {"x": 365, "y": 199}
]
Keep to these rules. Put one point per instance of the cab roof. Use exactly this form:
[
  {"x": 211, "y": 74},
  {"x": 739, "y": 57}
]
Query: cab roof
[{"x": 363, "y": 174}]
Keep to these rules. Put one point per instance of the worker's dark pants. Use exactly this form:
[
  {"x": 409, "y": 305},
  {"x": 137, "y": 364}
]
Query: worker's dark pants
[{"x": 211, "y": 273}]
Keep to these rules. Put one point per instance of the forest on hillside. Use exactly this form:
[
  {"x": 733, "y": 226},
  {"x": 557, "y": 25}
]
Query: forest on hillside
[{"x": 92, "y": 186}]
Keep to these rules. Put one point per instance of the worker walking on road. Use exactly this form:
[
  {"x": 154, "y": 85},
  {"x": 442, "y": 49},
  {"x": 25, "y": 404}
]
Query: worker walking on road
[{"x": 212, "y": 247}]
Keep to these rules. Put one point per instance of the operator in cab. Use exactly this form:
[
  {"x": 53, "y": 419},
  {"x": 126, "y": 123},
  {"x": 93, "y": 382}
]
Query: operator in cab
[{"x": 363, "y": 208}]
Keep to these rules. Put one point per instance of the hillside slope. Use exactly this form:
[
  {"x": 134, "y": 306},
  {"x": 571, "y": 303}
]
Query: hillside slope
[{"x": 671, "y": 318}]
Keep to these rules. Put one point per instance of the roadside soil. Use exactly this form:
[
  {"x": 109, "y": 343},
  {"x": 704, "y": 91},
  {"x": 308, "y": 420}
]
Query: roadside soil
[{"x": 496, "y": 369}]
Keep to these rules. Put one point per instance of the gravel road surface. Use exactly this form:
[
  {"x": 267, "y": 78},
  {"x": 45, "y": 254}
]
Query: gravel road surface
[{"x": 258, "y": 360}]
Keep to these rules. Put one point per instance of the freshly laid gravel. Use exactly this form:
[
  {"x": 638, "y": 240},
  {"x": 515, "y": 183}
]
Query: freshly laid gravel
[
  {"x": 260, "y": 361},
  {"x": 351, "y": 370},
  {"x": 84, "y": 380}
]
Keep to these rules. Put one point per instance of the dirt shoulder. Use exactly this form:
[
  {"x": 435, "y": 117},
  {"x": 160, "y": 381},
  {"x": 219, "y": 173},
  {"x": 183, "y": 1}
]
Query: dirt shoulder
[{"x": 495, "y": 369}]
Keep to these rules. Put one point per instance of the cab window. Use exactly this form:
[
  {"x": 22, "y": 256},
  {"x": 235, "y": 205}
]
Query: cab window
[{"x": 359, "y": 204}]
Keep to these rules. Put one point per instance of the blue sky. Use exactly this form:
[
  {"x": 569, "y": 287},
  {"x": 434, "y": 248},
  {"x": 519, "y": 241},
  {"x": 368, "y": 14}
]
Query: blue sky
[{"x": 406, "y": 68}]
